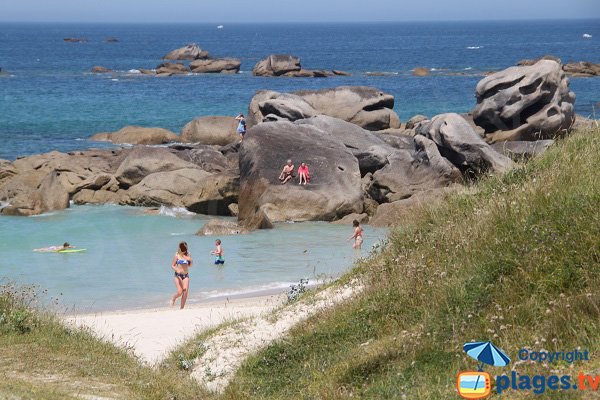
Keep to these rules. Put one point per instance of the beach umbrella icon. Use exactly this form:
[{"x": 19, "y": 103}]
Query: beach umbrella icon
[{"x": 486, "y": 353}]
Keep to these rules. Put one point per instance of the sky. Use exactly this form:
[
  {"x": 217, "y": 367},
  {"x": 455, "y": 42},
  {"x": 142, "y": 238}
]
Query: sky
[{"x": 222, "y": 11}]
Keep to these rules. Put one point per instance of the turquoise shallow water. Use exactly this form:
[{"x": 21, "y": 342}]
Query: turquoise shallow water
[{"x": 127, "y": 262}]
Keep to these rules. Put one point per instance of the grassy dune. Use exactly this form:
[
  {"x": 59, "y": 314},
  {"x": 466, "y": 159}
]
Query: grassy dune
[
  {"x": 40, "y": 358},
  {"x": 515, "y": 260}
]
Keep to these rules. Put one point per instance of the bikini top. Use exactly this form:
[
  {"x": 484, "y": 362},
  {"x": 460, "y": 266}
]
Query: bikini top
[{"x": 181, "y": 261}]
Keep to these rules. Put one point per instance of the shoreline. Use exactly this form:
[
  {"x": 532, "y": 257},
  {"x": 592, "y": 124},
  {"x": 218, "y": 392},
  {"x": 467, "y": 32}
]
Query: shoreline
[{"x": 153, "y": 332}]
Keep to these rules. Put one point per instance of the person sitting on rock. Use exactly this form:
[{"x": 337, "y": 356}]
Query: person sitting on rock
[
  {"x": 287, "y": 172},
  {"x": 303, "y": 174}
]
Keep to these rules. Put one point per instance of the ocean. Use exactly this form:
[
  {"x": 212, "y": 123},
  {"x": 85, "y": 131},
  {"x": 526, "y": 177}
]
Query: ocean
[{"x": 49, "y": 100}]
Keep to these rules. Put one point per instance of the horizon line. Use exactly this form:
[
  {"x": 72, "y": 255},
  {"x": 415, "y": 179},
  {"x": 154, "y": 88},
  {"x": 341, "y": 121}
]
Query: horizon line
[{"x": 303, "y": 22}]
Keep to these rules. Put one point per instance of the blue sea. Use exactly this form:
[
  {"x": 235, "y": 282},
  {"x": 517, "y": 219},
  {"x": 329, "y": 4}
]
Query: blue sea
[{"x": 50, "y": 101}]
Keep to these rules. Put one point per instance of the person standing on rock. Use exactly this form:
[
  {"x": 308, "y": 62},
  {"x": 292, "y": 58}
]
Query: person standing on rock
[
  {"x": 241, "y": 129},
  {"x": 287, "y": 172},
  {"x": 357, "y": 235},
  {"x": 182, "y": 261}
]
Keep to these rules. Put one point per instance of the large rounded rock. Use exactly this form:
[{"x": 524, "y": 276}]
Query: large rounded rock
[
  {"x": 198, "y": 191},
  {"x": 460, "y": 144},
  {"x": 335, "y": 187},
  {"x": 209, "y": 159},
  {"x": 525, "y": 103},
  {"x": 188, "y": 52},
  {"x": 213, "y": 130},
  {"x": 137, "y": 135},
  {"x": 216, "y": 65},
  {"x": 143, "y": 161},
  {"x": 277, "y": 65},
  {"x": 364, "y": 106}
]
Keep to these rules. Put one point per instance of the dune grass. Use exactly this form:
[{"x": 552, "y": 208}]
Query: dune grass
[
  {"x": 515, "y": 260},
  {"x": 40, "y": 358}
]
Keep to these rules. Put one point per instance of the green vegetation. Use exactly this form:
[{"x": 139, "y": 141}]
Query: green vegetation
[
  {"x": 515, "y": 259},
  {"x": 40, "y": 358}
]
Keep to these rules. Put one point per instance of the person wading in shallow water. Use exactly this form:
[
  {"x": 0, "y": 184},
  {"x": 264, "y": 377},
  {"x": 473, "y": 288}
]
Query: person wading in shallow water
[
  {"x": 182, "y": 261},
  {"x": 357, "y": 235}
]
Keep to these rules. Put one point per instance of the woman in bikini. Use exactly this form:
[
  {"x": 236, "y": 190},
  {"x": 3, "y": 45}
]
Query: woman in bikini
[
  {"x": 182, "y": 261},
  {"x": 357, "y": 235}
]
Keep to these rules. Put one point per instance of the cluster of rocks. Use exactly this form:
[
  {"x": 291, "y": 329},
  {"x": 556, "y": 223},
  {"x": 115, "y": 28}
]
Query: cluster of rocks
[
  {"x": 578, "y": 69},
  {"x": 289, "y": 65},
  {"x": 365, "y": 164}
]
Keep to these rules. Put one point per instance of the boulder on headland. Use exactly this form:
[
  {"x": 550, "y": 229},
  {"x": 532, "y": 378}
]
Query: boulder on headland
[
  {"x": 460, "y": 144},
  {"x": 212, "y": 130},
  {"x": 364, "y": 106},
  {"x": 137, "y": 135},
  {"x": 415, "y": 120},
  {"x": 219, "y": 227},
  {"x": 525, "y": 103},
  {"x": 100, "y": 70},
  {"x": 216, "y": 65},
  {"x": 333, "y": 192},
  {"x": 188, "y": 52},
  {"x": 210, "y": 159},
  {"x": 350, "y": 218},
  {"x": 172, "y": 69}
]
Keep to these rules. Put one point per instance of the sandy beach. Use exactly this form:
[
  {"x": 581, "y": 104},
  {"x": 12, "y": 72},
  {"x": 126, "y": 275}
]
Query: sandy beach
[{"x": 152, "y": 333}]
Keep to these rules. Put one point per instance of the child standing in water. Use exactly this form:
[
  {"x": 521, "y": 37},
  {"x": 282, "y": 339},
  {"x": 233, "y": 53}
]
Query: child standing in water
[
  {"x": 218, "y": 252},
  {"x": 357, "y": 235},
  {"x": 181, "y": 263}
]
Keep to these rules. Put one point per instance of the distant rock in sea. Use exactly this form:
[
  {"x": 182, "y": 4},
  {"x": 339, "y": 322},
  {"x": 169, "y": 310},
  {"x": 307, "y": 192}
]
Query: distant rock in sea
[
  {"x": 420, "y": 71},
  {"x": 100, "y": 70},
  {"x": 188, "y": 52},
  {"x": 75, "y": 40},
  {"x": 111, "y": 40},
  {"x": 580, "y": 68},
  {"x": 216, "y": 65},
  {"x": 137, "y": 135},
  {"x": 289, "y": 66}
]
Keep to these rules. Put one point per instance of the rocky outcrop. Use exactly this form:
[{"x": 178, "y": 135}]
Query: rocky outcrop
[
  {"x": 218, "y": 227},
  {"x": 392, "y": 214},
  {"x": 519, "y": 150},
  {"x": 277, "y": 65},
  {"x": 460, "y": 144},
  {"x": 288, "y": 65},
  {"x": 216, "y": 65},
  {"x": 350, "y": 218},
  {"x": 334, "y": 190},
  {"x": 415, "y": 120},
  {"x": 188, "y": 52},
  {"x": 196, "y": 190},
  {"x": 172, "y": 69},
  {"x": 209, "y": 159},
  {"x": 137, "y": 135},
  {"x": 525, "y": 103},
  {"x": 364, "y": 106},
  {"x": 144, "y": 161},
  {"x": 580, "y": 68},
  {"x": 212, "y": 130},
  {"x": 100, "y": 70}
]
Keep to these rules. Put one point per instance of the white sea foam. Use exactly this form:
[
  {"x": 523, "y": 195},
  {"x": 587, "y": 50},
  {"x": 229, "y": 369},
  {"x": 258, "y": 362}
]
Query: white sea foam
[
  {"x": 174, "y": 211},
  {"x": 114, "y": 80},
  {"x": 134, "y": 71},
  {"x": 474, "y": 47},
  {"x": 468, "y": 68},
  {"x": 587, "y": 36}
]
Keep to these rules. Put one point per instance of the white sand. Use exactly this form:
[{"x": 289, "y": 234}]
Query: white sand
[
  {"x": 153, "y": 333},
  {"x": 227, "y": 348}
]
